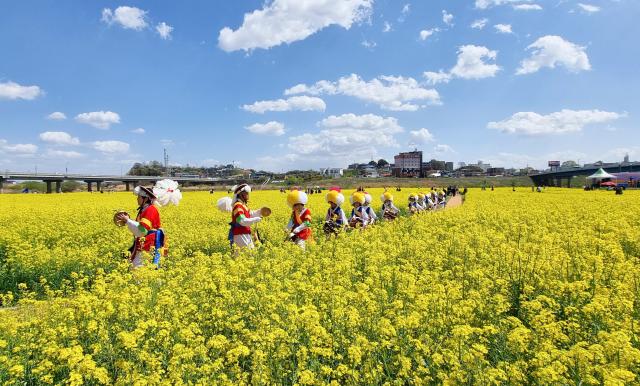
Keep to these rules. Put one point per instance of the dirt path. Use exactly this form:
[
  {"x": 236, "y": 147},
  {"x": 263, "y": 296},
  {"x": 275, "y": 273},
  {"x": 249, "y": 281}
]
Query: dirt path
[{"x": 454, "y": 202}]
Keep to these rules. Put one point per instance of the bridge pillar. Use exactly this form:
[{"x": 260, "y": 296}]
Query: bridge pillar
[
  {"x": 89, "y": 186},
  {"x": 58, "y": 186},
  {"x": 48, "y": 187},
  {"x": 569, "y": 182},
  {"x": 1, "y": 185},
  {"x": 99, "y": 186},
  {"x": 127, "y": 186}
]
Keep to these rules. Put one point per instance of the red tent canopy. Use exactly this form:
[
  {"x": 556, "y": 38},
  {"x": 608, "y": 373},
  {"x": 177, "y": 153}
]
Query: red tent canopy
[{"x": 608, "y": 183}]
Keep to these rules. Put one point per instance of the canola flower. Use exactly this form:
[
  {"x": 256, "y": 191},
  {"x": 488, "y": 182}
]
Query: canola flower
[{"x": 511, "y": 288}]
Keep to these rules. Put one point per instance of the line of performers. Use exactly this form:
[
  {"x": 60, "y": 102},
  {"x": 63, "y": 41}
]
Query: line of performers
[
  {"x": 149, "y": 237},
  {"x": 336, "y": 220}
]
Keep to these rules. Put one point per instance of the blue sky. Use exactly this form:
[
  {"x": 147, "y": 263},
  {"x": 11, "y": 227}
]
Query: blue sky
[{"x": 283, "y": 84}]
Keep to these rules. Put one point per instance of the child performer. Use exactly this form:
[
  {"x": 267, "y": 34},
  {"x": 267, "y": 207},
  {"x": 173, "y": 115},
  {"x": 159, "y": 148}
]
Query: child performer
[
  {"x": 358, "y": 215},
  {"x": 389, "y": 211},
  {"x": 335, "y": 218},
  {"x": 367, "y": 208},
  {"x": 300, "y": 224}
]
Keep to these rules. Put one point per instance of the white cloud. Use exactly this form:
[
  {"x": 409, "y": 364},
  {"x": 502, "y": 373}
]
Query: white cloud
[
  {"x": 503, "y": 28},
  {"x": 394, "y": 93},
  {"x": 111, "y": 147},
  {"x": 167, "y": 142},
  {"x": 64, "y": 154},
  {"x": 59, "y": 138},
  {"x": 99, "y": 119},
  {"x": 269, "y": 128},
  {"x": 387, "y": 27},
  {"x": 287, "y": 21},
  {"x": 484, "y": 4},
  {"x": 18, "y": 148},
  {"x": 12, "y": 91},
  {"x": 369, "y": 44},
  {"x": 421, "y": 136},
  {"x": 437, "y": 77},
  {"x": 442, "y": 148},
  {"x": 479, "y": 24},
  {"x": 57, "y": 116},
  {"x": 346, "y": 138},
  {"x": 139, "y": 130},
  {"x": 589, "y": 8},
  {"x": 424, "y": 34},
  {"x": 527, "y": 7},
  {"x": 471, "y": 63},
  {"x": 406, "y": 9},
  {"x": 126, "y": 17},
  {"x": 551, "y": 51},
  {"x": 447, "y": 18},
  {"x": 564, "y": 121},
  {"x": 164, "y": 30},
  {"x": 300, "y": 103}
]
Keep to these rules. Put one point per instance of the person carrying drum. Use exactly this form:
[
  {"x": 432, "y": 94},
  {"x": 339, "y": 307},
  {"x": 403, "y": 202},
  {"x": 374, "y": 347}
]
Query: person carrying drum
[
  {"x": 242, "y": 218},
  {"x": 359, "y": 217},
  {"x": 335, "y": 218},
  {"x": 299, "y": 226},
  {"x": 389, "y": 211},
  {"x": 146, "y": 228}
]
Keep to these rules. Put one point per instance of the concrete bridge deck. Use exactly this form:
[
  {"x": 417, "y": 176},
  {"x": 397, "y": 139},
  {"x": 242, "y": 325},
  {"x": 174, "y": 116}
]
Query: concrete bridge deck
[
  {"x": 56, "y": 180},
  {"x": 565, "y": 177}
]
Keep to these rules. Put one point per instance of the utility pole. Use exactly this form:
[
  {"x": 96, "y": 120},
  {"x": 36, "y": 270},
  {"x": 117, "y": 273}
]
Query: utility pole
[{"x": 166, "y": 163}]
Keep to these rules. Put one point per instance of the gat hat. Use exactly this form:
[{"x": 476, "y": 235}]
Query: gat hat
[
  {"x": 386, "y": 196},
  {"x": 335, "y": 196},
  {"x": 296, "y": 197},
  {"x": 413, "y": 196},
  {"x": 143, "y": 191},
  {"x": 358, "y": 197}
]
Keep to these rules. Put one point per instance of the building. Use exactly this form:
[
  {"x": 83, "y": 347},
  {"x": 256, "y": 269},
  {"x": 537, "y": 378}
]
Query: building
[
  {"x": 483, "y": 166},
  {"x": 332, "y": 172},
  {"x": 448, "y": 166},
  {"x": 495, "y": 171},
  {"x": 370, "y": 171},
  {"x": 408, "y": 164}
]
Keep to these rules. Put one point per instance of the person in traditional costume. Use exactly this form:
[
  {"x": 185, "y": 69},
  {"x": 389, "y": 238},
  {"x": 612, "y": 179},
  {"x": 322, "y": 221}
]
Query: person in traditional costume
[
  {"x": 299, "y": 226},
  {"x": 413, "y": 203},
  {"x": 242, "y": 218},
  {"x": 421, "y": 202},
  {"x": 389, "y": 210},
  {"x": 434, "y": 199},
  {"x": 358, "y": 216},
  {"x": 428, "y": 202},
  {"x": 442, "y": 199},
  {"x": 149, "y": 237},
  {"x": 367, "y": 208},
  {"x": 335, "y": 218}
]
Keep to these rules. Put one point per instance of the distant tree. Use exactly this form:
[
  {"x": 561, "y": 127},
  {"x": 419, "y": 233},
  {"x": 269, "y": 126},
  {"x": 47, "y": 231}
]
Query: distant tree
[
  {"x": 71, "y": 186},
  {"x": 382, "y": 163},
  {"x": 569, "y": 164},
  {"x": 373, "y": 163}
]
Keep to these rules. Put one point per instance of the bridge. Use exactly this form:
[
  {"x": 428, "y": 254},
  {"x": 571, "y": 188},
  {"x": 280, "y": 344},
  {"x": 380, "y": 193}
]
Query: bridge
[
  {"x": 564, "y": 176},
  {"x": 54, "y": 181}
]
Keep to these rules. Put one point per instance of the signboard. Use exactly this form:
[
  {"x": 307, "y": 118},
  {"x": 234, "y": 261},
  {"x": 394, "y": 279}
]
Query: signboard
[{"x": 554, "y": 163}]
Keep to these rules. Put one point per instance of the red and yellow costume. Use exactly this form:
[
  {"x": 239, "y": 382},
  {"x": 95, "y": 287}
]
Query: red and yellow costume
[
  {"x": 300, "y": 224},
  {"x": 149, "y": 218}
]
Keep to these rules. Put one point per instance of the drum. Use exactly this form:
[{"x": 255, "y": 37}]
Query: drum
[
  {"x": 265, "y": 212},
  {"x": 331, "y": 227},
  {"x": 117, "y": 220}
]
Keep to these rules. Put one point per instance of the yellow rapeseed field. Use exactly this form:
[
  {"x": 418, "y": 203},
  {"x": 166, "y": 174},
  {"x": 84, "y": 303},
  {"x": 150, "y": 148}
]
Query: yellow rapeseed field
[{"x": 510, "y": 288}]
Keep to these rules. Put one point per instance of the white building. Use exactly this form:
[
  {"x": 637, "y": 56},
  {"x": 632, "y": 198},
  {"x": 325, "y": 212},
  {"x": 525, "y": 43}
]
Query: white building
[{"x": 332, "y": 172}]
